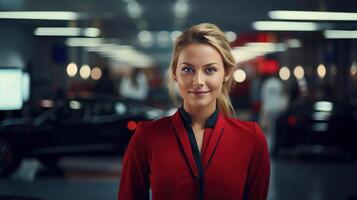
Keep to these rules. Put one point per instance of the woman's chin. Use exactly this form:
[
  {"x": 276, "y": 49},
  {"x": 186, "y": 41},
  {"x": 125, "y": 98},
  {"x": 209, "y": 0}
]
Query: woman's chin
[{"x": 199, "y": 103}]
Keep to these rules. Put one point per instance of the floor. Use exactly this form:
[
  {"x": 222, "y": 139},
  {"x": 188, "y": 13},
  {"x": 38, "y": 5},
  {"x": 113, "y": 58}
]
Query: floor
[{"x": 98, "y": 178}]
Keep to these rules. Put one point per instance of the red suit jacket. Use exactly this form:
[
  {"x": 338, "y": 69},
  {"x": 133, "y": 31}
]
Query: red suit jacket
[{"x": 234, "y": 156}]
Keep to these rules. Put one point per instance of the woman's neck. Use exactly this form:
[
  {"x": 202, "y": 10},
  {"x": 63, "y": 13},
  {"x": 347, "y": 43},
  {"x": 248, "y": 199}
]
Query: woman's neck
[{"x": 199, "y": 115}]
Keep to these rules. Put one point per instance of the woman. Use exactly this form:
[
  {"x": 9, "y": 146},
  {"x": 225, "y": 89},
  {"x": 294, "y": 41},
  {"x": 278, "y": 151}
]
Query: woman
[{"x": 200, "y": 152}]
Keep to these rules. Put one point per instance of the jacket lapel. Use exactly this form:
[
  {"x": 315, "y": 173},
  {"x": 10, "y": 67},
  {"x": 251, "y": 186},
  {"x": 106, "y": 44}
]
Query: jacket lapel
[
  {"x": 182, "y": 136},
  {"x": 213, "y": 142}
]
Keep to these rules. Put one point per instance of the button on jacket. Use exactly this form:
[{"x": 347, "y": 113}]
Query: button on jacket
[{"x": 234, "y": 162}]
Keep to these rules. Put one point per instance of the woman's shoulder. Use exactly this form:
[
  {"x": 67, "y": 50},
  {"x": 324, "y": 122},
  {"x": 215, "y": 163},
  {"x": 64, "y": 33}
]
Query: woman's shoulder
[
  {"x": 158, "y": 123},
  {"x": 240, "y": 124},
  {"x": 245, "y": 127},
  {"x": 150, "y": 128}
]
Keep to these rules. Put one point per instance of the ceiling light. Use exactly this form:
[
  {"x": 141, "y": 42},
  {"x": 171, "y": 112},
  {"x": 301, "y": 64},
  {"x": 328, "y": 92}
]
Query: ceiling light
[
  {"x": 284, "y": 26},
  {"x": 239, "y": 75},
  {"x": 321, "y": 71},
  {"x": 293, "y": 43},
  {"x": 284, "y": 73},
  {"x": 175, "y": 34},
  {"x": 146, "y": 38},
  {"x": 242, "y": 54},
  {"x": 40, "y": 15},
  {"x": 84, "y": 42},
  {"x": 72, "y": 69},
  {"x": 299, "y": 72},
  {"x": 231, "y": 36},
  {"x": 85, "y": 71},
  {"x": 96, "y": 73},
  {"x": 58, "y": 31},
  {"x": 312, "y": 15},
  {"x": 181, "y": 9},
  {"x": 91, "y": 32},
  {"x": 134, "y": 9},
  {"x": 340, "y": 34},
  {"x": 266, "y": 46},
  {"x": 110, "y": 48},
  {"x": 163, "y": 38},
  {"x": 67, "y": 31}
]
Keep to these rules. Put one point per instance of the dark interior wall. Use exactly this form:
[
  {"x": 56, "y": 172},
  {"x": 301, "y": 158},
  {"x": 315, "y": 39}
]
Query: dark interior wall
[{"x": 16, "y": 46}]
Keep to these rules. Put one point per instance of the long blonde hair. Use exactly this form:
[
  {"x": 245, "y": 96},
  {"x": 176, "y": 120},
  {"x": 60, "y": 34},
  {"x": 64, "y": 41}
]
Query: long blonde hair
[{"x": 205, "y": 33}]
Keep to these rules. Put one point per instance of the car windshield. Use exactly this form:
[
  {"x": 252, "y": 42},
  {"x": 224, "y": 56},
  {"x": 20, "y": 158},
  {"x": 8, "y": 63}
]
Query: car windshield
[
  {"x": 63, "y": 110},
  {"x": 46, "y": 115}
]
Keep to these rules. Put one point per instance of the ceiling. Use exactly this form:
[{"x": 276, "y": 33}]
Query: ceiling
[{"x": 112, "y": 17}]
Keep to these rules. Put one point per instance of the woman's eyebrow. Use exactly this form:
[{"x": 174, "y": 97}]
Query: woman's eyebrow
[
  {"x": 186, "y": 63},
  {"x": 209, "y": 64}
]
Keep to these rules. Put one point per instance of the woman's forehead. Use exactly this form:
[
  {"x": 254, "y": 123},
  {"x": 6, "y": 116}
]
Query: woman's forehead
[{"x": 199, "y": 54}]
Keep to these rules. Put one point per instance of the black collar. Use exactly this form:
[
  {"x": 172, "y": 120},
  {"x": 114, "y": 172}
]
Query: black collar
[{"x": 210, "y": 122}]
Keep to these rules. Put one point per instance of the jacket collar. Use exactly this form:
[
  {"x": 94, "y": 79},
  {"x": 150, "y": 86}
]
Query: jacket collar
[
  {"x": 180, "y": 131},
  {"x": 210, "y": 122}
]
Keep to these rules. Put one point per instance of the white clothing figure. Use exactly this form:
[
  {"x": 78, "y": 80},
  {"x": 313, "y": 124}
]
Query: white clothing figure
[
  {"x": 274, "y": 101},
  {"x": 134, "y": 87}
]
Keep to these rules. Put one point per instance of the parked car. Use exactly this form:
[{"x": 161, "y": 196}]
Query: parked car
[
  {"x": 76, "y": 126},
  {"x": 317, "y": 127}
]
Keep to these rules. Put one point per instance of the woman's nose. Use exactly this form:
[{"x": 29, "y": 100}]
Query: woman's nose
[{"x": 198, "y": 79}]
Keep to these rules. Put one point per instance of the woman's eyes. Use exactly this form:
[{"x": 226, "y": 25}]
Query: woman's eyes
[
  {"x": 187, "y": 69},
  {"x": 208, "y": 70}
]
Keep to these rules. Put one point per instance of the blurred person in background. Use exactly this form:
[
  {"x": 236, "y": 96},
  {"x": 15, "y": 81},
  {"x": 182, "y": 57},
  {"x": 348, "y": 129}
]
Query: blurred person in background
[
  {"x": 134, "y": 86},
  {"x": 201, "y": 151},
  {"x": 274, "y": 102}
]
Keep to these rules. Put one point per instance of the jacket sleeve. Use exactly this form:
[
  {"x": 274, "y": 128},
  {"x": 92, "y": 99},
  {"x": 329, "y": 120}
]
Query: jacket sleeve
[
  {"x": 257, "y": 184},
  {"x": 134, "y": 182}
]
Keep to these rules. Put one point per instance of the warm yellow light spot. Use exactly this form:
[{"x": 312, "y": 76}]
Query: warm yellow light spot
[
  {"x": 96, "y": 73},
  {"x": 72, "y": 69},
  {"x": 321, "y": 71},
  {"x": 239, "y": 75},
  {"x": 84, "y": 71},
  {"x": 284, "y": 73},
  {"x": 299, "y": 72}
]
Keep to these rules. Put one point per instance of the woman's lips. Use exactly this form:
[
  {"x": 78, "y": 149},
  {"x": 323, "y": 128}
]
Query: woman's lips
[{"x": 199, "y": 92}]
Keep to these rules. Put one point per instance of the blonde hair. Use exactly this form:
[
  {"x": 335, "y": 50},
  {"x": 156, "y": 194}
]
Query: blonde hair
[{"x": 205, "y": 33}]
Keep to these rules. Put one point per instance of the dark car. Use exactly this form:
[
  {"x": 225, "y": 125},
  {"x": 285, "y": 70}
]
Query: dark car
[
  {"x": 76, "y": 126},
  {"x": 317, "y": 127}
]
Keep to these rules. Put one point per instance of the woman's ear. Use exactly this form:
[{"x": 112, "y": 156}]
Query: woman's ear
[
  {"x": 174, "y": 76},
  {"x": 227, "y": 73}
]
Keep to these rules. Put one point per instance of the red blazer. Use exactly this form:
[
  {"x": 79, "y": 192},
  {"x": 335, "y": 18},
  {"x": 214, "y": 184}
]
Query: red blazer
[{"x": 234, "y": 156}]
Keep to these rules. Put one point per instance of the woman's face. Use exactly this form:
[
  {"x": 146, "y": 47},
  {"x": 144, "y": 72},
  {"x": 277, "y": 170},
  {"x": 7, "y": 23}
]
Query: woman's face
[{"x": 200, "y": 74}]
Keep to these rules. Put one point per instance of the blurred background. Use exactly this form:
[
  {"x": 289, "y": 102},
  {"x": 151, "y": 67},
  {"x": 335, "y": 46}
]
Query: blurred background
[{"x": 77, "y": 76}]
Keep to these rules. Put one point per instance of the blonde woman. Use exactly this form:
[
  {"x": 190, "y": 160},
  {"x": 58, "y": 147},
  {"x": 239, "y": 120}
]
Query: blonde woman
[{"x": 200, "y": 152}]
